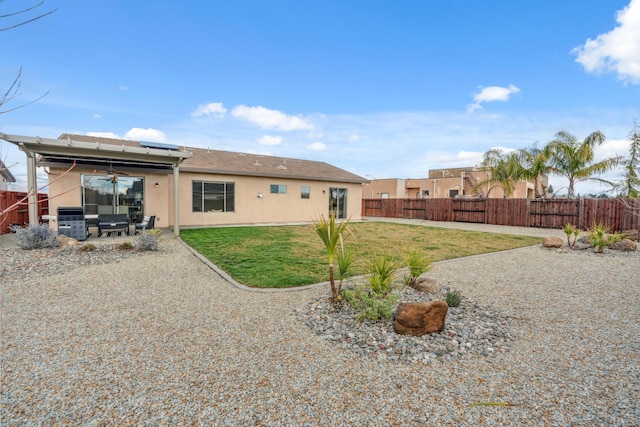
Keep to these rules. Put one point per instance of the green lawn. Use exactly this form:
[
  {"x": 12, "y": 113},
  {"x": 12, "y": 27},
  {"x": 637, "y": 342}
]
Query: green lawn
[{"x": 287, "y": 256}]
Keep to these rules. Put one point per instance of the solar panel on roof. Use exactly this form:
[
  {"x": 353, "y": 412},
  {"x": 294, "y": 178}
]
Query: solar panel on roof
[{"x": 160, "y": 145}]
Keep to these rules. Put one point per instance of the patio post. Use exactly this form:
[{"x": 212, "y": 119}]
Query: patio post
[
  {"x": 176, "y": 200},
  {"x": 32, "y": 186}
]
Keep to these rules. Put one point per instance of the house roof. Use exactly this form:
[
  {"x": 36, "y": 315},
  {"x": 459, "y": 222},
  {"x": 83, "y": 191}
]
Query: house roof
[
  {"x": 234, "y": 163},
  {"x": 6, "y": 173}
]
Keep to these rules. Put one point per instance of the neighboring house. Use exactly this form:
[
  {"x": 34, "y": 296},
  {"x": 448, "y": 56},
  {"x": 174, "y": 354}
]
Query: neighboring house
[
  {"x": 449, "y": 182},
  {"x": 5, "y": 177},
  {"x": 201, "y": 187}
]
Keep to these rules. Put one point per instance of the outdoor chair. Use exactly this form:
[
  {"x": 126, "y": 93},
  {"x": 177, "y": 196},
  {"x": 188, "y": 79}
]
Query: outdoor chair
[{"x": 147, "y": 223}]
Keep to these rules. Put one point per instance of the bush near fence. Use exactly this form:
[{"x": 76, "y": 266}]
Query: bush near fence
[{"x": 544, "y": 213}]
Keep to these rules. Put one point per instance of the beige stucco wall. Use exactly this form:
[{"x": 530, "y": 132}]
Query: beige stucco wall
[
  {"x": 249, "y": 208},
  {"x": 270, "y": 208}
]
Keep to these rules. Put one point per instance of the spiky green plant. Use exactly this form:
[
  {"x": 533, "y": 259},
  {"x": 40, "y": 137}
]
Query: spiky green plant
[
  {"x": 570, "y": 230},
  {"x": 600, "y": 237},
  {"x": 332, "y": 234},
  {"x": 381, "y": 270},
  {"x": 417, "y": 261},
  {"x": 344, "y": 259},
  {"x": 453, "y": 298}
]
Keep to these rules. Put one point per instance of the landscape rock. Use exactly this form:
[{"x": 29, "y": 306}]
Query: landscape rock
[
  {"x": 64, "y": 241},
  {"x": 552, "y": 242},
  {"x": 428, "y": 285},
  {"x": 631, "y": 234},
  {"x": 624, "y": 245},
  {"x": 420, "y": 318}
]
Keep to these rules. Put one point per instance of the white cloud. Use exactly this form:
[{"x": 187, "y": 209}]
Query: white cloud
[
  {"x": 490, "y": 94},
  {"x": 139, "y": 134},
  {"x": 97, "y": 116},
  {"x": 353, "y": 137},
  {"x": 317, "y": 146},
  {"x": 270, "y": 119},
  {"x": 270, "y": 140},
  {"x": 103, "y": 135},
  {"x": 212, "y": 109},
  {"x": 123, "y": 87},
  {"x": 616, "y": 51}
]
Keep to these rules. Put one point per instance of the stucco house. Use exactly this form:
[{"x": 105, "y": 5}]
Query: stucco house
[
  {"x": 200, "y": 187},
  {"x": 5, "y": 176},
  {"x": 450, "y": 182}
]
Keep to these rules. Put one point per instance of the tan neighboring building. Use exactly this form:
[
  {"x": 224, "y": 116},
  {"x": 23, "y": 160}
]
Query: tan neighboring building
[
  {"x": 5, "y": 176},
  {"x": 450, "y": 182},
  {"x": 205, "y": 187}
]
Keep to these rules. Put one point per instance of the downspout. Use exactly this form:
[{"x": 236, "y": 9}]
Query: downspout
[{"x": 32, "y": 186}]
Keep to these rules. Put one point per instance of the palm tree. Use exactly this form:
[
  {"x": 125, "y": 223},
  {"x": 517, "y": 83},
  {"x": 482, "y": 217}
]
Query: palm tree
[
  {"x": 333, "y": 234},
  {"x": 534, "y": 161},
  {"x": 506, "y": 171},
  {"x": 574, "y": 160}
]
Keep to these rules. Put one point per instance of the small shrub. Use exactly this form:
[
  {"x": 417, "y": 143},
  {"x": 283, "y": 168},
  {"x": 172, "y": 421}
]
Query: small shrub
[
  {"x": 376, "y": 300},
  {"x": 570, "y": 230},
  {"x": 453, "y": 298},
  {"x": 381, "y": 271},
  {"x": 87, "y": 247},
  {"x": 417, "y": 261},
  {"x": 371, "y": 305},
  {"x": 125, "y": 246},
  {"x": 148, "y": 240},
  {"x": 600, "y": 238},
  {"x": 36, "y": 237}
]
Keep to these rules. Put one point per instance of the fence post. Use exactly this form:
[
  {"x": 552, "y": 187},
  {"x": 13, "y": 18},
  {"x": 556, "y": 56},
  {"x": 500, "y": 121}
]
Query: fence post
[{"x": 581, "y": 214}]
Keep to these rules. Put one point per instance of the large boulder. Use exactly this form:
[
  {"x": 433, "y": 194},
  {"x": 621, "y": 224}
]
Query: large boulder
[
  {"x": 420, "y": 318},
  {"x": 427, "y": 285},
  {"x": 624, "y": 245},
  {"x": 552, "y": 242}
]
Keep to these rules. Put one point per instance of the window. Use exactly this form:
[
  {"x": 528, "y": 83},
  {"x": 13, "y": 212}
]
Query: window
[
  {"x": 305, "y": 192},
  {"x": 213, "y": 196},
  {"x": 278, "y": 189}
]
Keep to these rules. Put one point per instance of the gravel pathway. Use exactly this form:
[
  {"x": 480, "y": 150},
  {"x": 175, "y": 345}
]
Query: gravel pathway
[{"x": 161, "y": 339}]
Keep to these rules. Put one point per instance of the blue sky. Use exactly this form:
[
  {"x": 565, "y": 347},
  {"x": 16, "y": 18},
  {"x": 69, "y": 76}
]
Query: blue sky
[{"x": 382, "y": 89}]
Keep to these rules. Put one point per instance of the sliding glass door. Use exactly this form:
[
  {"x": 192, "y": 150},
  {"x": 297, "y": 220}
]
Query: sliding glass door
[
  {"x": 110, "y": 194},
  {"x": 338, "y": 202}
]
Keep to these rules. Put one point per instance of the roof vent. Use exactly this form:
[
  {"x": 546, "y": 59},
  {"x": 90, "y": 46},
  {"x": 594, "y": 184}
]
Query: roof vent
[
  {"x": 282, "y": 167},
  {"x": 257, "y": 163}
]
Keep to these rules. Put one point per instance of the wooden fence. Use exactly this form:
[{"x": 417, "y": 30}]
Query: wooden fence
[
  {"x": 20, "y": 215},
  {"x": 618, "y": 214}
]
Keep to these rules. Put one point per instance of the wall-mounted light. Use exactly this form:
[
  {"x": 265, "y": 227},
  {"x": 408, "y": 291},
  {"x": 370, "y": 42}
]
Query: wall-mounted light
[
  {"x": 157, "y": 185},
  {"x": 259, "y": 195},
  {"x": 323, "y": 192}
]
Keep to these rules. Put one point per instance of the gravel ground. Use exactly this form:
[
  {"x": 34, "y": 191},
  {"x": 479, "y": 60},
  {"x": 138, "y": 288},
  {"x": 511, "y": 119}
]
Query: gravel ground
[{"x": 162, "y": 339}]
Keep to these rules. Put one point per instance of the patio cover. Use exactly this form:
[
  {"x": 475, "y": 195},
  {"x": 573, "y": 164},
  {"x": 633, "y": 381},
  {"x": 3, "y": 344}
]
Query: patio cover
[{"x": 70, "y": 149}]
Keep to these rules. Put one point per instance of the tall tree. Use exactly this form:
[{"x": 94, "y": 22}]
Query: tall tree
[
  {"x": 575, "y": 160},
  {"x": 630, "y": 184},
  {"x": 506, "y": 171},
  {"x": 534, "y": 162}
]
